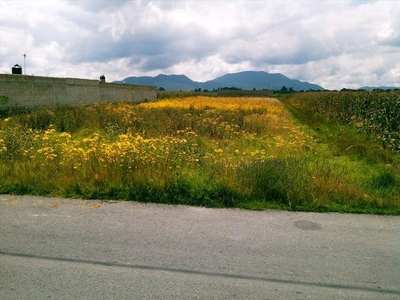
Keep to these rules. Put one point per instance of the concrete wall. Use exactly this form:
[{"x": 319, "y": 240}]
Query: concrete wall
[{"x": 23, "y": 90}]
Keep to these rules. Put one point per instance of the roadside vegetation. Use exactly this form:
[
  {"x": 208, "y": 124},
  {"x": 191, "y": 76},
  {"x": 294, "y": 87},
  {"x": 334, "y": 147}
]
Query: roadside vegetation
[{"x": 253, "y": 153}]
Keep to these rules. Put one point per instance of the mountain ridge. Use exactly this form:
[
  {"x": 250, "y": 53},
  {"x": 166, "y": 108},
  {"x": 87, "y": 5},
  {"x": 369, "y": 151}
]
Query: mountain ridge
[
  {"x": 371, "y": 88},
  {"x": 246, "y": 80}
]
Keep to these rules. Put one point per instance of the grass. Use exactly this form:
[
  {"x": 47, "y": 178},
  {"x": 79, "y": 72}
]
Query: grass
[
  {"x": 370, "y": 171},
  {"x": 251, "y": 153}
]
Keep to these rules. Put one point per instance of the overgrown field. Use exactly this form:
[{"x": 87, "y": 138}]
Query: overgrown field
[{"x": 210, "y": 151}]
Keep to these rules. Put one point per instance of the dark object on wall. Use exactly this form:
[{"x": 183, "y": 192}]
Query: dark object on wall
[
  {"x": 102, "y": 78},
  {"x": 17, "y": 69}
]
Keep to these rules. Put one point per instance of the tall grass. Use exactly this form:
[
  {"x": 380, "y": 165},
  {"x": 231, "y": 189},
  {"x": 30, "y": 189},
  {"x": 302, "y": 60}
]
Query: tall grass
[{"x": 209, "y": 151}]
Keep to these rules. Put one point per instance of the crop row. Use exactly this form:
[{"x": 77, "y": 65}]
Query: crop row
[{"x": 374, "y": 113}]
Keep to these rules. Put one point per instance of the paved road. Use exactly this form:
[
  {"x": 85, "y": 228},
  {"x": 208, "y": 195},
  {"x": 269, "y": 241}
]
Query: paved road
[{"x": 75, "y": 249}]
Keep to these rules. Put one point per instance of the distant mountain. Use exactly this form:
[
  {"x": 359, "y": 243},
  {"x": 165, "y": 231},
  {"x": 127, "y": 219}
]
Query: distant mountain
[
  {"x": 169, "y": 82},
  {"x": 247, "y": 80},
  {"x": 371, "y": 88}
]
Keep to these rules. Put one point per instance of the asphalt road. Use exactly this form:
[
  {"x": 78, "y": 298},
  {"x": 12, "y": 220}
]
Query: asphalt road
[{"x": 76, "y": 249}]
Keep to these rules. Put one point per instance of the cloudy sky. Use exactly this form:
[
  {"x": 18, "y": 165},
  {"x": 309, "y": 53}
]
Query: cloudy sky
[{"x": 335, "y": 44}]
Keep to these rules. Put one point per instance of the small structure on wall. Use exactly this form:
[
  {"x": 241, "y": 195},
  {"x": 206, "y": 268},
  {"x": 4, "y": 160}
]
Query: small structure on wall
[{"x": 17, "y": 69}]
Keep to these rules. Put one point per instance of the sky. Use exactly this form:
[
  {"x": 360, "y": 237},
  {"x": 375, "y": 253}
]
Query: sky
[{"x": 336, "y": 44}]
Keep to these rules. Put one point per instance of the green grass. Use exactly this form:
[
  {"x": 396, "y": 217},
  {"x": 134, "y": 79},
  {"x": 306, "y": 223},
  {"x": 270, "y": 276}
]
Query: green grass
[{"x": 370, "y": 173}]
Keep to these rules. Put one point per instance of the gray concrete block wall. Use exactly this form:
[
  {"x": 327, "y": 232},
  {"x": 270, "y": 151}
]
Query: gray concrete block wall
[{"x": 22, "y": 90}]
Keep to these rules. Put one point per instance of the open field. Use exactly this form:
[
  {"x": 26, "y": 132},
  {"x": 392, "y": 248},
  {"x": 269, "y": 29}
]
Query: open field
[{"x": 253, "y": 153}]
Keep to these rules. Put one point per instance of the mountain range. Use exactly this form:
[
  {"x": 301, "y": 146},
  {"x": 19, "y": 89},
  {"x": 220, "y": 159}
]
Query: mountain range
[
  {"x": 247, "y": 80},
  {"x": 371, "y": 88}
]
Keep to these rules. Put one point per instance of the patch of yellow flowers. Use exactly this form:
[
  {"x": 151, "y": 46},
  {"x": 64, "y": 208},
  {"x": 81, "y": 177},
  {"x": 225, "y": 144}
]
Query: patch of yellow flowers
[{"x": 213, "y": 136}]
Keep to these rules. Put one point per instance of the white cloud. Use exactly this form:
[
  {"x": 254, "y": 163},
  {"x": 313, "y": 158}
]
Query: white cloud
[{"x": 332, "y": 43}]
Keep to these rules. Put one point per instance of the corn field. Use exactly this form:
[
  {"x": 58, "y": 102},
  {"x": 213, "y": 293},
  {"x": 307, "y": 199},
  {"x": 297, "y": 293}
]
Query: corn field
[{"x": 374, "y": 113}]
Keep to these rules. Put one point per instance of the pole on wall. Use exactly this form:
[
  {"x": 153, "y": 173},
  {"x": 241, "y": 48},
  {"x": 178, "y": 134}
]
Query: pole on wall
[{"x": 24, "y": 55}]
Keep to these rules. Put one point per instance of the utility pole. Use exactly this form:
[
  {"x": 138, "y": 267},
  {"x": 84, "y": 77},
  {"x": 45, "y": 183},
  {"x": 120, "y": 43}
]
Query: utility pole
[{"x": 24, "y": 55}]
